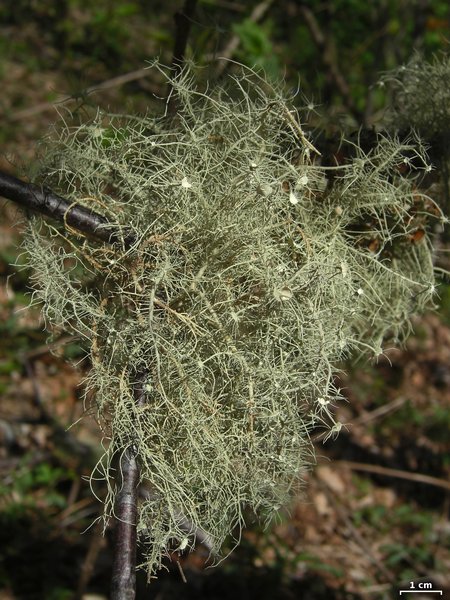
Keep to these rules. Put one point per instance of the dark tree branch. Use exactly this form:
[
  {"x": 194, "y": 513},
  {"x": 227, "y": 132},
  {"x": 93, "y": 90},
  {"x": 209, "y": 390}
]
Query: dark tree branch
[
  {"x": 45, "y": 202},
  {"x": 124, "y": 566},
  {"x": 183, "y": 21},
  {"x": 123, "y": 585}
]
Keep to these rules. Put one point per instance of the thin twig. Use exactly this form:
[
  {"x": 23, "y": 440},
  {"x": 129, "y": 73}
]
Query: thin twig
[
  {"x": 366, "y": 417},
  {"x": 385, "y": 471},
  {"x": 95, "y": 545},
  {"x": 72, "y": 512},
  {"x": 186, "y": 525},
  {"x": 49, "y": 347},
  {"x": 118, "y": 81}
]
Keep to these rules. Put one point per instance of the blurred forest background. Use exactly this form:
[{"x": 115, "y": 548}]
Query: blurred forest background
[{"x": 374, "y": 515}]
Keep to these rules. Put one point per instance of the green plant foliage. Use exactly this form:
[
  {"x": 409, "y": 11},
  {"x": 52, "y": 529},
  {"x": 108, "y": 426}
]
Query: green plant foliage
[
  {"x": 18, "y": 496},
  {"x": 257, "y": 48},
  {"x": 251, "y": 276}
]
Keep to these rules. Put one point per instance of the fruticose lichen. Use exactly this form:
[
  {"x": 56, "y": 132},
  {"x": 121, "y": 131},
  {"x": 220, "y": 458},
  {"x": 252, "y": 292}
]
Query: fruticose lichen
[
  {"x": 421, "y": 96},
  {"x": 420, "y": 93},
  {"x": 253, "y": 273}
]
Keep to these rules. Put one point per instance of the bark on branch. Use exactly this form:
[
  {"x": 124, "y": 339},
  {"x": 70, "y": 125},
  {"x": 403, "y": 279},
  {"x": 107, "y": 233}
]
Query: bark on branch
[
  {"x": 183, "y": 22},
  {"x": 123, "y": 585},
  {"x": 45, "y": 202}
]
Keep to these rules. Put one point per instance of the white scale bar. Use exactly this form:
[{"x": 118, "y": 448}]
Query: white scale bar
[{"x": 420, "y": 592}]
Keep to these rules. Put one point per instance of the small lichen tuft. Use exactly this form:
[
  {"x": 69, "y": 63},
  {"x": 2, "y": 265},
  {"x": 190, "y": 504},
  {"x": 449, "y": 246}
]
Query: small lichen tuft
[{"x": 421, "y": 96}]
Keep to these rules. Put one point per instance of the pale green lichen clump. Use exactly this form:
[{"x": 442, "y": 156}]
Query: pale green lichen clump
[
  {"x": 250, "y": 278},
  {"x": 421, "y": 96}
]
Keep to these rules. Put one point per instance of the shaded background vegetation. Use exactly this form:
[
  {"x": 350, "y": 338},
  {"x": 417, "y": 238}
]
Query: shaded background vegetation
[{"x": 369, "y": 521}]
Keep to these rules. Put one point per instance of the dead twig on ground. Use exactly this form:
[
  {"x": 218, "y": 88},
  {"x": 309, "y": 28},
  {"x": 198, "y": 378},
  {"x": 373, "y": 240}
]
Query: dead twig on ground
[
  {"x": 49, "y": 347},
  {"x": 386, "y": 472},
  {"x": 366, "y": 417},
  {"x": 95, "y": 545},
  {"x": 114, "y": 82}
]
